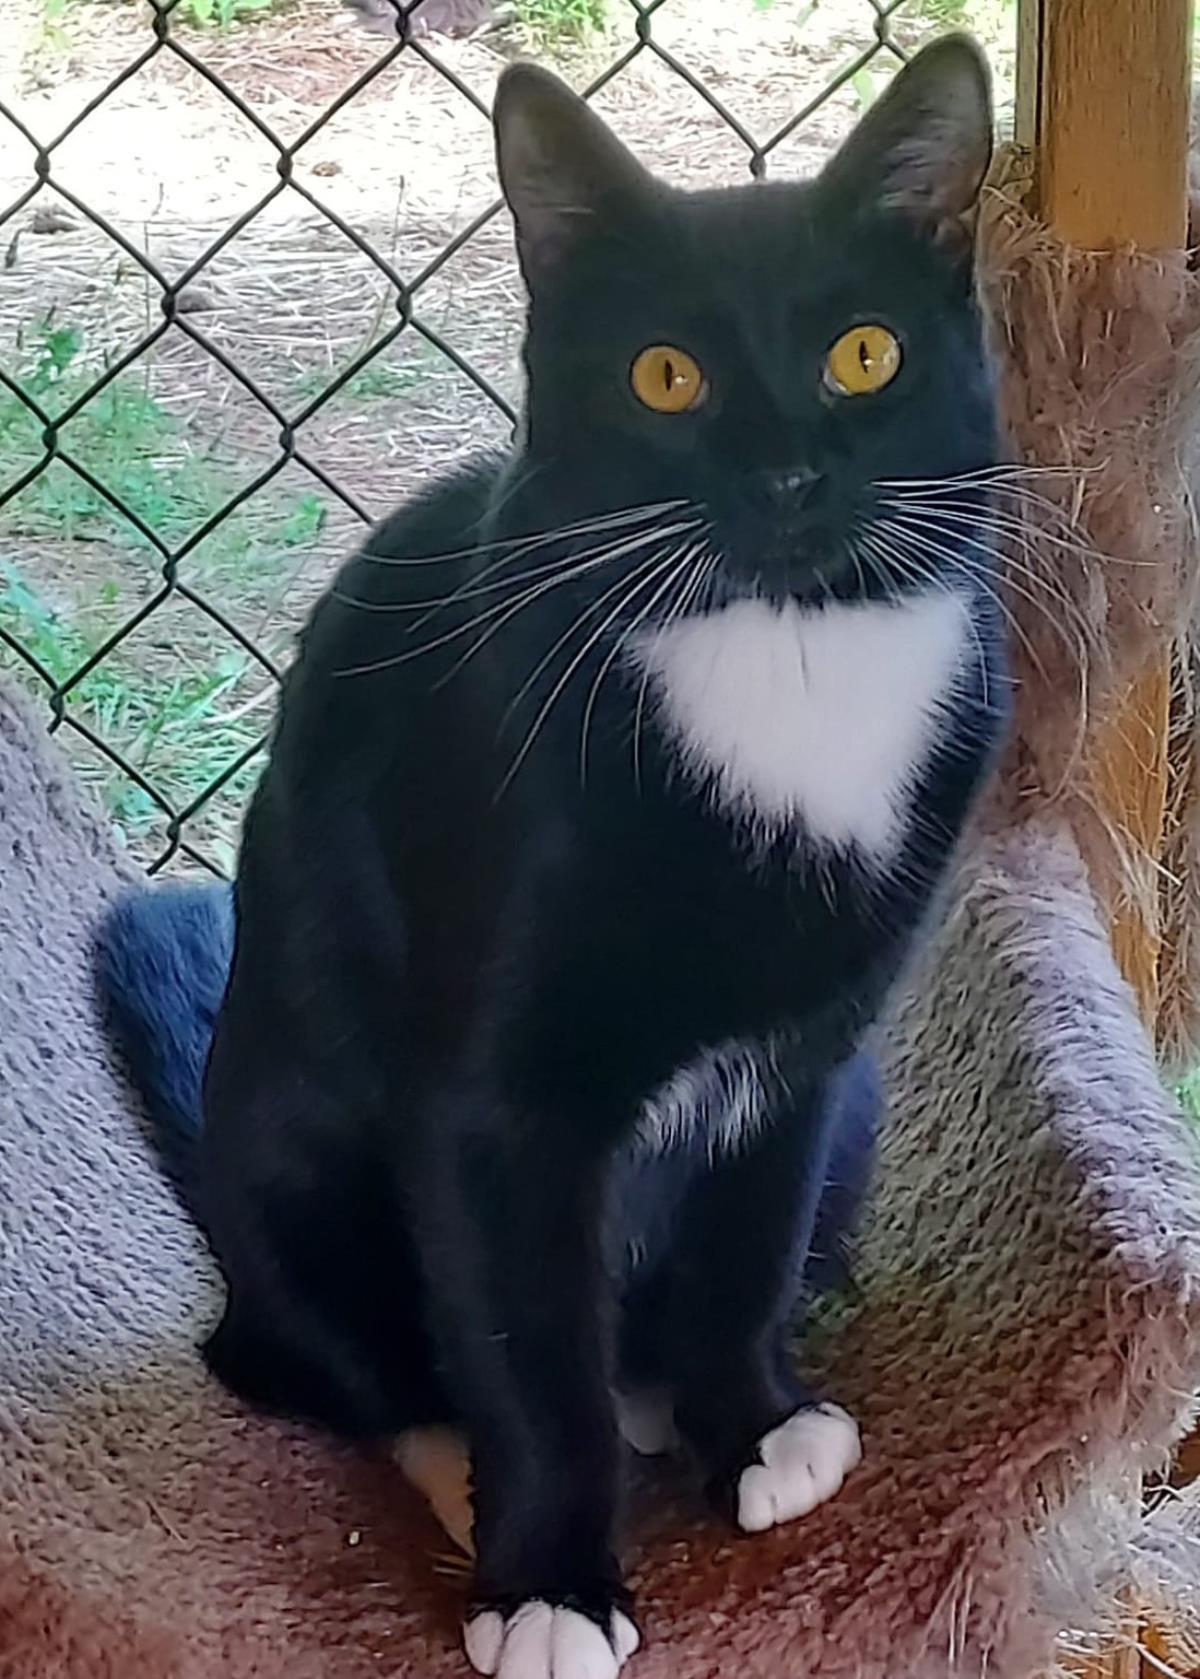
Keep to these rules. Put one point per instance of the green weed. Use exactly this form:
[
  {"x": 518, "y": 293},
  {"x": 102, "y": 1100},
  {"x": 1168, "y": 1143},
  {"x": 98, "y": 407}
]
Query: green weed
[
  {"x": 379, "y": 380},
  {"x": 223, "y": 14},
  {"x": 560, "y": 22},
  {"x": 129, "y": 442},
  {"x": 866, "y": 87},
  {"x": 53, "y": 34},
  {"x": 179, "y": 715},
  {"x": 178, "y": 727},
  {"x": 123, "y": 437},
  {"x": 201, "y": 14}
]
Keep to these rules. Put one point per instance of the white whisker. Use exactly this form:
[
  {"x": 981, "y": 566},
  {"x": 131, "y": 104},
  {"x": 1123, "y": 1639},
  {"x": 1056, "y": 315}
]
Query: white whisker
[
  {"x": 1028, "y": 532},
  {"x": 559, "y": 687},
  {"x": 573, "y": 566},
  {"x": 876, "y": 553},
  {"x": 1007, "y": 567},
  {"x": 589, "y": 611},
  {"x": 602, "y": 554},
  {"x": 702, "y": 574},
  {"x": 1003, "y": 472},
  {"x": 853, "y": 550},
  {"x": 919, "y": 550},
  {"x": 615, "y": 652},
  {"x": 535, "y": 539},
  {"x": 945, "y": 587},
  {"x": 530, "y": 596},
  {"x": 502, "y": 611}
]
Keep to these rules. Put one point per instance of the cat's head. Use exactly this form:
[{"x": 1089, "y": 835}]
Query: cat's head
[{"x": 776, "y": 356}]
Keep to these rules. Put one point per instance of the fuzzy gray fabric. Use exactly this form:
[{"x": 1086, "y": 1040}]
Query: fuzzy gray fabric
[{"x": 1027, "y": 1340}]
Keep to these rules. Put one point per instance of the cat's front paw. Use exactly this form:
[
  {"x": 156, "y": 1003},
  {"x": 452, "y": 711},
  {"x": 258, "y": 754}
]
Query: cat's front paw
[
  {"x": 544, "y": 1641},
  {"x": 800, "y": 1464}
]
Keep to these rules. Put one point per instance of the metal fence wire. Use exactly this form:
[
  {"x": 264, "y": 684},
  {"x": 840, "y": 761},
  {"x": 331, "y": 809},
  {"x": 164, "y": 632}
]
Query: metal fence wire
[{"x": 198, "y": 406}]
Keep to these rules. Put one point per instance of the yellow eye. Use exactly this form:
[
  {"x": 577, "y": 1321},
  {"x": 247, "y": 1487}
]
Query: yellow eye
[
  {"x": 668, "y": 380},
  {"x": 863, "y": 361}
]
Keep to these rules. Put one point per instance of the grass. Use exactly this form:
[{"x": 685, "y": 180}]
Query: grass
[
  {"x": 202, "y": 14},
  {"x": 551, "y": 23},
  {"x": 176, "y": 699},
  {"x": 1189, "y": 1095},
  {"x": 223, "y": 14},
  {"x": 178, "y": 728},
  {"x": 380, "y": 379},
  {"x": 180, "y": 699},
  {"x": 127, "y": 439}
]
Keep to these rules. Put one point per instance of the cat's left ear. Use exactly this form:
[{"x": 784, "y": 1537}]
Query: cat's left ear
[
  {"x": 924, "y": 147},
  {"x": 564, "y": 173}
]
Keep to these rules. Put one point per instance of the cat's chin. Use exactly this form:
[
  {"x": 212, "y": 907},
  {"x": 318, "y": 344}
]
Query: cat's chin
[
  {"x": 810, "y": 594},
  {"x": 812, "y": 576}
]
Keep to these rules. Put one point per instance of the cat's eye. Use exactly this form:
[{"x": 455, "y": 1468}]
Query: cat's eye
[
  {"x": 863, "y": 361},
  {"x": 668, "y": 379}
]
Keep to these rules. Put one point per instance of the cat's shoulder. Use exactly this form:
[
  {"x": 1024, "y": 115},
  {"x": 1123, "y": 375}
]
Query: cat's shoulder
[
  {"x": 360, "y": 623},
  {"x": 451, "y": 509},
  {"x": 417, "y": 551},
  {"x": 439, "y": 524}
]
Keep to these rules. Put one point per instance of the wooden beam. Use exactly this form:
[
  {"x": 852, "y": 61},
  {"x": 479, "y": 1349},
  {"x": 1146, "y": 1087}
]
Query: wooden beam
[
  {"x": 1029, "y": 72},
  {"x": 1114, "y": 99}
]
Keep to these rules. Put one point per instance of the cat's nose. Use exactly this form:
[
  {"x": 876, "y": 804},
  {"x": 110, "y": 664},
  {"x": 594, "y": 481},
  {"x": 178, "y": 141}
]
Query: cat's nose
[{"x": 791, "y": 489}]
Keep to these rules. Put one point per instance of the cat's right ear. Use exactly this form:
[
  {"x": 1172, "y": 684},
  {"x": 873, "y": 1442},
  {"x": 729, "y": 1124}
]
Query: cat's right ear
[
  {"x": 923, "y": 149},
  {"x": 562, "y": 170}
]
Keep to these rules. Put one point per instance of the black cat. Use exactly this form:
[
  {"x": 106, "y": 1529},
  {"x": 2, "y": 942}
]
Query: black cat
[{"x": 609, "y": 793}]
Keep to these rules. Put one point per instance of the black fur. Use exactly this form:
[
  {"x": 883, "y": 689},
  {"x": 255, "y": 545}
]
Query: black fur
[
  {"x": 481, "y": 915},
  {"x": 163, "y": 960}
]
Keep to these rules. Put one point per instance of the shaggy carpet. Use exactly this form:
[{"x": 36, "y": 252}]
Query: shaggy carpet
[{"x": 1026, "y": 1340}]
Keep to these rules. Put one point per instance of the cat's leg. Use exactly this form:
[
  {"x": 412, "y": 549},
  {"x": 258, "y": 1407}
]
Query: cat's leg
[
  {"x": 301, "y": 1344},
  {"x": 508, "y": 1220},
  {"x": 715, "y": 1321},
  {"x": 324, "y": 1315}
]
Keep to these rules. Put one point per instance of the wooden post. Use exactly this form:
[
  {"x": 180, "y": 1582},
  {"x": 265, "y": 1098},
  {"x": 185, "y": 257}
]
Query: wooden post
[
  {"x": 1104, "y": 100},
  {"x": 1113, "y": 98}
]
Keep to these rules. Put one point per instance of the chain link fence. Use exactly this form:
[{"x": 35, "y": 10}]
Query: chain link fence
[{"x": 256, "y": 285}]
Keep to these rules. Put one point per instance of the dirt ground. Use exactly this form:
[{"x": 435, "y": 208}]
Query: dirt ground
[{"x": 189, "y": 178}]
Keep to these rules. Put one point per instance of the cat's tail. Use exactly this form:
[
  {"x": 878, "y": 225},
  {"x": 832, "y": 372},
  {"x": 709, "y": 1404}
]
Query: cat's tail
[
  {"x": 162, "y": 962},
  {"x": 860, "y": 1104}
]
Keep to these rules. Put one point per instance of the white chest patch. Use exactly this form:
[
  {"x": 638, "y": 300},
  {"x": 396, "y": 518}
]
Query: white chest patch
[{"x": 822, "y": 718}]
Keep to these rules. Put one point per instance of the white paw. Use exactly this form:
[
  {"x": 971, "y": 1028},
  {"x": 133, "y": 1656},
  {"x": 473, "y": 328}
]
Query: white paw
[
  {"x": 647, "y": 1422},
  {"x": 540, "y": 1642},
  {"x": 804, "y": 1462}
]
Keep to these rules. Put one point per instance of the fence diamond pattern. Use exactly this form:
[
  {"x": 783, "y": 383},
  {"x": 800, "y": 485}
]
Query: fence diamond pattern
[{"x": 162, "y": 689}]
